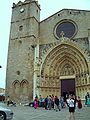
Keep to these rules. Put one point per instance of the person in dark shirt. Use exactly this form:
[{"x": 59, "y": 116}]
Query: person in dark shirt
[
  {"x": 46, "y": 103},
  {"x": 57, "y": 107}
]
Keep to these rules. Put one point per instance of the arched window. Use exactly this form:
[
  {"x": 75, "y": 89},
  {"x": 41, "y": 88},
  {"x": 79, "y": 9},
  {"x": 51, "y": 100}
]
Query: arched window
[
  {"x": 16, "y": 86},
  {"x": 24, "y": 87}
]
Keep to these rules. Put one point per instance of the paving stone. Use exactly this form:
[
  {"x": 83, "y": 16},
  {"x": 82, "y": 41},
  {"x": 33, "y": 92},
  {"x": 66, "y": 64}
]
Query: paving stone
[{"x": 29, "y": 113}]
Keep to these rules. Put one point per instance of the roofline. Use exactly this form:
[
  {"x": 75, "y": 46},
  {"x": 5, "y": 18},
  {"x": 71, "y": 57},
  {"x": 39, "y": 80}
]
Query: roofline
[{"x": 62, "y": 10}]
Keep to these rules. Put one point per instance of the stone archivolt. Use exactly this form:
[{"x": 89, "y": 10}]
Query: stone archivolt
[{"x": 64, "y": 59}]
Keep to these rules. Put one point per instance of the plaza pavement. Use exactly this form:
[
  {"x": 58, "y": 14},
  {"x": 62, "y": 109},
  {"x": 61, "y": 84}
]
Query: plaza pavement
[{"x": 29, "y": 113}]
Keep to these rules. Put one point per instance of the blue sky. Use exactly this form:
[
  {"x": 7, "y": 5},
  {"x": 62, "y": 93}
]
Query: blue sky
[{"x": 48, "y": 7}]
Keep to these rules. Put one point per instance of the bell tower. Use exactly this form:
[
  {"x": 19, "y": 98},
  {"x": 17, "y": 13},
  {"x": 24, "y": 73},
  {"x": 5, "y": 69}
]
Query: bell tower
[
  {"x": 20, "y": 65},
  {"x": 25, "y": 19}
]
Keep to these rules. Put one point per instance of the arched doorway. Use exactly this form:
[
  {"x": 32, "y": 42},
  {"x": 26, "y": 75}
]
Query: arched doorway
[
  {"x": 67, "y": 87},
  {"x": 64, "y": 60}
]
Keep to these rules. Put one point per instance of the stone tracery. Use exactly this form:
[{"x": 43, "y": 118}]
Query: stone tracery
[{"x": 64, "y": 60}]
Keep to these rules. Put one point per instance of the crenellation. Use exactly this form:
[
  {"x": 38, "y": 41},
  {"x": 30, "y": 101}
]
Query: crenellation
[{"x": 20, "y": 3}]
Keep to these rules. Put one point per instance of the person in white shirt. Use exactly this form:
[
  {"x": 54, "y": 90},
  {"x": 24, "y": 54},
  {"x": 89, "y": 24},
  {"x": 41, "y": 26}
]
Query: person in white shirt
[{"x": 71, "y": 104}]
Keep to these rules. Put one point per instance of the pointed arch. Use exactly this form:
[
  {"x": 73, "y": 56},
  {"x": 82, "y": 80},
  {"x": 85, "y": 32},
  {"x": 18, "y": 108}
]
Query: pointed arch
[
  {"x": 64, "y": 60},
  {"x": 16, "y": 87},
  {"x": 65, "y": 52},
  {"x": 24, "y": 86}
]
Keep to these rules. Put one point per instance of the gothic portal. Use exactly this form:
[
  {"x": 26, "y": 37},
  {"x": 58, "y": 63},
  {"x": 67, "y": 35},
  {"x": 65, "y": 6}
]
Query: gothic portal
[{"x": 50, "y": 56}]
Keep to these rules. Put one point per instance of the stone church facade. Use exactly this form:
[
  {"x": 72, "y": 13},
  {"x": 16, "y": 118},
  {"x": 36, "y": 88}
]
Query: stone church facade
[{"x": 50, "y": 56}]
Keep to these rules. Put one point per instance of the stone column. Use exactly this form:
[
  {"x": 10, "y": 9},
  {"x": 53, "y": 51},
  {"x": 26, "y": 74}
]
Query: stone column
[
  {"x": 87, "y": 75},
  {"x": 36, "y": 71},
  {"x": 89, "y": 39}
]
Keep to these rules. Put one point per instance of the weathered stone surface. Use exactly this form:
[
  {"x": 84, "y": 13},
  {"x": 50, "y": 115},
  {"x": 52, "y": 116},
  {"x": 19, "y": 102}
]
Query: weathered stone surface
[{"x": 38, "y": 60}]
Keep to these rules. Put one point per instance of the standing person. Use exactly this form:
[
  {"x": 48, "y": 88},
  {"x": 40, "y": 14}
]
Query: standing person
[
  {"x": 62, "y": 101},
  {"x": 85, "y": 100},
  {"x": 88, "y": 101},
  {"x": 71, "y": 104},
  {"x": 36, "y": 102},
  {"x": 40, "y": 101},
  {"x": 57, "y": 107},
  {"x": 8, "y": 100},
  {"x": 49, "y": 102},
  {"x": 79, "y": 102},
  {"x": 46, "y": 103},
  {"x": 52, "y": 101}
]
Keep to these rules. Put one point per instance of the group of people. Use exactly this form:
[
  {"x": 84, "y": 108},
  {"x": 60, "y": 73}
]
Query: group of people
[
  {"x": 58, "y": 103},
  {"x": 48, "y": 103},
  {"x": 10, "y": 102},
  {"x": 54, "y": 102}
]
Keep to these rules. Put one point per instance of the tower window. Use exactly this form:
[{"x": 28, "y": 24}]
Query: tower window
[
  {"x": 20, "y": 41},
  {"x": 37, "y": 11},
  {"x": 22, "y": 10},
  {"x": 18, "y": 72},
  {"x": 20, "y": 28}
]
